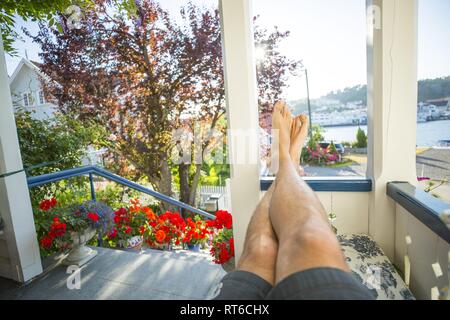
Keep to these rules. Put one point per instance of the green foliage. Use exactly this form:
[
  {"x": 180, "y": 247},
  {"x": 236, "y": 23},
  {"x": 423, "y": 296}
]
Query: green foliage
[
  {"x": 434, "y": 89},
  {"x": 332, "y": 148},
  {"x": 317, "y": 136},
  {"x": 53, "y": 145},
  {"x": 356, "y": 93},
  {"x": 43, "y": 10},
  {"x": 361, "y": 139},
  {"x": 346, "y": 144},
  {"x": 59, "y": 143}
]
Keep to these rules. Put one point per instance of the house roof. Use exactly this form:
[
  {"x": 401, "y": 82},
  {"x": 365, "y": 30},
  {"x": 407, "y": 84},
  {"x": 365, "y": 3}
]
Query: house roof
[
  {"x": 26, "y": 63},
  {"x": 440, "y": 102}
]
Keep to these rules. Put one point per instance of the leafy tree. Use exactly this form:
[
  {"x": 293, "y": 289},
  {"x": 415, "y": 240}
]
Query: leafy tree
[
  {"x": 434, "y": 89},
  {"x": 142, "y": 76},
  {"x": 52, "y": 145},
  {"x": 361, "y": 139},
  {"x": 58, "y": 143},
  {"x": 44, "y": 10}
]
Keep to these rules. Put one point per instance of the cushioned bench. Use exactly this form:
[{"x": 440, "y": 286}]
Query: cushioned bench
[{"x": 371, "y": 266}]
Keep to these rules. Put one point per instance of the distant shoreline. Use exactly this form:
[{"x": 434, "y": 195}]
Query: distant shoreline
[
  {"x": 365, "y": 124},
  {"x": 343, "y": 125}
]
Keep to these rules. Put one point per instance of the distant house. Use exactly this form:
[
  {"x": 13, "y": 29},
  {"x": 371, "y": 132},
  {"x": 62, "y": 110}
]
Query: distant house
[
  {"x": 27, "y": 93},
  {"x": 442, "y": 103},
  {"x": 26, "y": 90}
]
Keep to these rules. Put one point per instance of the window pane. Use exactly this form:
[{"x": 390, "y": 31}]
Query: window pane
[
  {"x": 313, "y": 55},
  {"x": 433, "y": 111},
  {"x": 41, "y": 97}
]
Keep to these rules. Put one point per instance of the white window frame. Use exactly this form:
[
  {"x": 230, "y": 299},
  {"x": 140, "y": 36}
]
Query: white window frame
[
  {"x": 41, "y": 96},
  {"x": 27, "y": 99}
]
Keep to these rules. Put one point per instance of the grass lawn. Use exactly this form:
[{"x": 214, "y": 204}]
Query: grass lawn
[
  {"x": 358, "y": 158},
  {"x": 345, "y": 163}
]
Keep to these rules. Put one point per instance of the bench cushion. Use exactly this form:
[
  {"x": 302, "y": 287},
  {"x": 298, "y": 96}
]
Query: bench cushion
[{"x": 370, "y": 265}]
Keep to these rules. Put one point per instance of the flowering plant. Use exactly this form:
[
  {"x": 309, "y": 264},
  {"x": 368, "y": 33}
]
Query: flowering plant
[
  {"x": 222, "y": 248},
  {"x": 196, "y": 231},
  {"x": 55, "y": 224},
  {"x": 318, "y": 155},
  {"x": 165, "y": 229},
  {"x": 129, "y": 223}
]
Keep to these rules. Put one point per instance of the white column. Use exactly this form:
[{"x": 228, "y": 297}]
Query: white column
[
  {"x": 242, "y": 111},
  {"x": 19, "y": 252},
  {"x": 392, "y": 102}
]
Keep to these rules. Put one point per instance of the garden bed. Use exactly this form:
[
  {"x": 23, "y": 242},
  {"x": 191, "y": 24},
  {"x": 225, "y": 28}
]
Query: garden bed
[{"x": 130, "y": 228}]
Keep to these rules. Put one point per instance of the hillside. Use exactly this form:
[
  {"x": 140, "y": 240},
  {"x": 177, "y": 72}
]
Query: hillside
[{"x": 429, "y": 89}]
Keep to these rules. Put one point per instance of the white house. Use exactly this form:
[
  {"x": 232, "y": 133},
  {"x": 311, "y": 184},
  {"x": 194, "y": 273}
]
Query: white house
[
  {"x": 26, "y": 90},
  {"x": 27, "y": 93}
]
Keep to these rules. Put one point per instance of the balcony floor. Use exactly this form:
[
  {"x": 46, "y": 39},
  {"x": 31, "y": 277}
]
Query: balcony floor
[{"x": 116, "y": 274}]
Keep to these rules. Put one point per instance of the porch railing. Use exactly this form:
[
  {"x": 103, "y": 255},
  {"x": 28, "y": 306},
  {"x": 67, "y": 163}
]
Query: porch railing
[{"x": 97, "y": 171}]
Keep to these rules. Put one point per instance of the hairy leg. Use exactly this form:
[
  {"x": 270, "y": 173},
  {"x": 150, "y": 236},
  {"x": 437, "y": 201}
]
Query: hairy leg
[
  {"x": 299, "y": 132},
  {"x": 261, "y": 244},
  {"x": 298, "y": 218}
]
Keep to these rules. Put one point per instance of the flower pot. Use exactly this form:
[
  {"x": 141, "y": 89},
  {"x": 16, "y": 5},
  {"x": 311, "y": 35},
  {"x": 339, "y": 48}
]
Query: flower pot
[
  {"x": 162, "y": 246},
  {"x": 194, "y": 247},
  {"x": 134, "y": 244},
  {"x": 80, "y": 254}
]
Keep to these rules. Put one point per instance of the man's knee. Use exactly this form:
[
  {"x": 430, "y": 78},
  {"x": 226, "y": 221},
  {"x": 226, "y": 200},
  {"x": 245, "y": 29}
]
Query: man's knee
[
  {"x": 314, "y": 241},
  {"x": 261, "y": 246}
]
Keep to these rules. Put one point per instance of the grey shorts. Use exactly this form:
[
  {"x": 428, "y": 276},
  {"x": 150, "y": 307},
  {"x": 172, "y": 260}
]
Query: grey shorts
[{"x": 312, "y": 284}]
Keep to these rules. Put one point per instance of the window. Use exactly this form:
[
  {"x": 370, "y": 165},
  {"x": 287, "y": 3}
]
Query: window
[
  {"x": 433, "y": 110},
  {"x": 41, "y": 97},
  {"x": 27, "y": 99},
  {"x": 317, "y": 56}
]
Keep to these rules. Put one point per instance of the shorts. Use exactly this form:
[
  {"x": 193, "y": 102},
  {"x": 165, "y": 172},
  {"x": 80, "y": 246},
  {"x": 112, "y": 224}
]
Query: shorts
[{"x": 312, "y": 284}]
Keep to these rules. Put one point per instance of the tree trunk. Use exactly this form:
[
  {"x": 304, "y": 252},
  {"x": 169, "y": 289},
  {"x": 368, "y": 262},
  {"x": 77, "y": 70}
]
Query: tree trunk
[
  {"x": 194, "y": 185},
  {"x": 164, "y": 185},
  {"x": 184, "y": 182}
]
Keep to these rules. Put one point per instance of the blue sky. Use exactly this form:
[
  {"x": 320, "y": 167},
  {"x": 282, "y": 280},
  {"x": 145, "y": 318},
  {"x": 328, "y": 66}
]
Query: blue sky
[{"x": 330, "y": 42}]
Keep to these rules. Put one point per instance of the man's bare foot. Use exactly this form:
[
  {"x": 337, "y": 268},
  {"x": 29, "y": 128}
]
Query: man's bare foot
[
  {"x": 281, "y": 121},
  {"x": 299, "y": 132}
]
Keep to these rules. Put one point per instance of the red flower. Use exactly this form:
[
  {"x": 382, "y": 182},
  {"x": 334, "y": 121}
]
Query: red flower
[
  {"x": 117, "y": 219},
  {"x": 46, "y": 242},
  {"x": 231, "y": 244},
  {"x": 53, "y": 202},
  {"x": 113, "y": 233},
  {"x": 57, "y": 229},
  {"x": 142, "y": 229},
  {"x": 47, "y": 204},
  {"x": 224, "y": 256},
  {"x": 128, "y": 229},
  {"x": 93, "y": 216},
  {"x": 223, "y": 219},
  {"x": 160, "y": 236}
]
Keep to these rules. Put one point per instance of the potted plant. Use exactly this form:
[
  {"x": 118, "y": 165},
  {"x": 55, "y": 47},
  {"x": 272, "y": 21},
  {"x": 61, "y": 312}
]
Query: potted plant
[
  {"x": 165, "y": 231},
  {"x": 129, "y": 226},
  {"x": 222, "y": 247},
  {"x": 71, "y": 228},
  {"x": 195, "y": 233}
]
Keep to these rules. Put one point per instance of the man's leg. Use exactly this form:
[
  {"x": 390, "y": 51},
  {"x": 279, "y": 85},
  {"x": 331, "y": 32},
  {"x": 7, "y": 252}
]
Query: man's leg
[
  {"x": 305, "y": 237},
  {"x": 299, "y": 132}
]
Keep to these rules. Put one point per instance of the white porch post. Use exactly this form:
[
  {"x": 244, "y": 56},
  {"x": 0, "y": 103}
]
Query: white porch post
[
  {"x": 242, "y": 111},
  {"x": 392, "y": 102},
  {"x": 19, "y": 252}
]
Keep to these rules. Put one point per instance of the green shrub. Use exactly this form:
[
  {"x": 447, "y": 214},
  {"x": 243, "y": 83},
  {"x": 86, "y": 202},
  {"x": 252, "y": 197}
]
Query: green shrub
[{"x": 361, "y": 139}]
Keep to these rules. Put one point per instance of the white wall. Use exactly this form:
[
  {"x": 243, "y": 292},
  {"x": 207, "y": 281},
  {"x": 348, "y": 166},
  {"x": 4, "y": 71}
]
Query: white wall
[
  {"x": 27, "y": 81},
  {"x": 19, "y": 250},
  {"x": 351, "y": 209},
  {"x": 426, "y": 249},
  {"x": 392, "y": 111}
]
